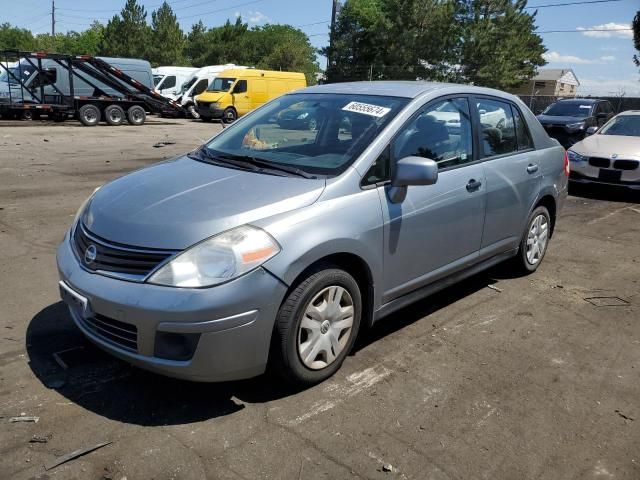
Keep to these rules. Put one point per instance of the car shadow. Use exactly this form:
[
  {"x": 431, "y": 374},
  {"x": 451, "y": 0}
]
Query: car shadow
[
  {"x": 63, "y": 360},
  {"x": 609, "y": 193}
]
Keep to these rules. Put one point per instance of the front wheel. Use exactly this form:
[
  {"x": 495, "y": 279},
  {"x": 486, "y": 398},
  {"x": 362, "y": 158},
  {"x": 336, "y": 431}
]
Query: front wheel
[
  {"x": 535, "y": 240},
  {"x": 229, "y": 115},
  {"x": 317, "y": 326}
]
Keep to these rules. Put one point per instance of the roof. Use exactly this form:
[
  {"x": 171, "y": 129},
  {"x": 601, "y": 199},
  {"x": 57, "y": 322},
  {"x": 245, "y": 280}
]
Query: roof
[
  {"x": 565, "y": 74},
  {"x": 581, "y": 101},
  {"x": 405, "y": 89}
]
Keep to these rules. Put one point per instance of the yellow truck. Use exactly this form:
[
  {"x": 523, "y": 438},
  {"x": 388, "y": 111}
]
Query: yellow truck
[{"x": 235, "y": 92}]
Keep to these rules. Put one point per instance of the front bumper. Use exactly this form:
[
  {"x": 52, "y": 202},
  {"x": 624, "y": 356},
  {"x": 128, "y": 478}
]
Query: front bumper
[
  {"x": 234, "y": 320},
  {"x": 566, "y": 138},
  {"x": 583, "y": 172},
  {"x": 208, "y": 111}
]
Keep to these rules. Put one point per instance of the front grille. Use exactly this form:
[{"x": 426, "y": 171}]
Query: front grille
[
  {"x": 120, "y": 333},
  {"x": 117, "y": 258},
  {"x": 599, "y": 162},
  {"x": 626, "y": 164}
]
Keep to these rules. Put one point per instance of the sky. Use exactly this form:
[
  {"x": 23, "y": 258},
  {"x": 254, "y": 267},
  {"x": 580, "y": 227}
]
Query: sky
[{"x": 601, "y": 60}]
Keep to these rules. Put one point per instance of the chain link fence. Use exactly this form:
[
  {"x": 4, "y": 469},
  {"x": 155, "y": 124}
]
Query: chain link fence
[{"x": 538, "y": 103}]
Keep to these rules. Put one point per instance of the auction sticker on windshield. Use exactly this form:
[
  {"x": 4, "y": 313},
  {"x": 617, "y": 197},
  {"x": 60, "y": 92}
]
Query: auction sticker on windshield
[{"x": 366, "y": 108}]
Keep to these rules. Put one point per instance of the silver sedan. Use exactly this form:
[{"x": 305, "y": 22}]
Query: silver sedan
[{"x": 610, "y": 155}]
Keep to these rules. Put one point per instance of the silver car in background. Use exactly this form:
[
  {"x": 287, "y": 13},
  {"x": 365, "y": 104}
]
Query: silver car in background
[
  {"x": 275, "y": 245},
  {"x": 610, "y": 155}
]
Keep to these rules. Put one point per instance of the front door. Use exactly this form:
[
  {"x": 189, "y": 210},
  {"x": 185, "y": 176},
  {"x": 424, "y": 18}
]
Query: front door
[
  {"x": 436, "y": 229},
  {"x": 241, "y": 99}
]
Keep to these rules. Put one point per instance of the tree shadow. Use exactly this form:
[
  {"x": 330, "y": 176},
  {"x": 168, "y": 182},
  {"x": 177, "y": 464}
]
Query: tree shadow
[
  {"x": 116, "y": 390},
  {"x": 608, "y": 193}
]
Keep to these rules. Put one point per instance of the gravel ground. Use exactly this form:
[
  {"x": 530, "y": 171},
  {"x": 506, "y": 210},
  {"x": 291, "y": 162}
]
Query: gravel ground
[{"x": 536, "y": 379}]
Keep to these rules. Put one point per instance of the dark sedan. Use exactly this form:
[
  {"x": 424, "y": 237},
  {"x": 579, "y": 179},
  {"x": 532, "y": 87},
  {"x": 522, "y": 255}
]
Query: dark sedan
[{"x": 567, "y": 120}]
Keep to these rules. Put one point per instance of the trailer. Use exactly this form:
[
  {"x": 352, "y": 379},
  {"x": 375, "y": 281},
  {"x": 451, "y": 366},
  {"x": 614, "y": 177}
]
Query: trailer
[{"x": 115, "y": 96}]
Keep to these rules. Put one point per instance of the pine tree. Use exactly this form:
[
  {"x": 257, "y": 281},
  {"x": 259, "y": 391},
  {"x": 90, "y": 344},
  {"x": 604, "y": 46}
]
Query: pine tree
[
  {"x": 167, "y": 39},
  {"x": 636, "y": 37}
]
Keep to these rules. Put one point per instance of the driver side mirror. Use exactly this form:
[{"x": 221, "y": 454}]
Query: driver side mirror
[
  {"x": 411, "y": 171},
  {"x": 591, "y": 130}
]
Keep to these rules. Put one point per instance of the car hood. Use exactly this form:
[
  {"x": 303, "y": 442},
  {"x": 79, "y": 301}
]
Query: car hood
[
  {"x": 175, "y": 204},
  {"x": 556, "y": 120},
  {"x": 606, "y": 145}
]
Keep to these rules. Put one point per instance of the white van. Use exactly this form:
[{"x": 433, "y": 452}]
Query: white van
[
  {"x": 198, "y": 83},
  {"x": 168, "y": 80}
]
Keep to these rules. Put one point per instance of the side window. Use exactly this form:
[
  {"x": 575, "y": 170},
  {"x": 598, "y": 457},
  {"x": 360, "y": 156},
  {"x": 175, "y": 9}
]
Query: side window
[
  {"x": 522, "y": 132},
  {"x": 441, "y": 132},
  {"x": 169, "y": 82},
  {"x": 380, "y": 170},
  {"x": 497, "y": 127},
  {"x": 240, "y": 87},
  {"x": 200, "y": 87}
]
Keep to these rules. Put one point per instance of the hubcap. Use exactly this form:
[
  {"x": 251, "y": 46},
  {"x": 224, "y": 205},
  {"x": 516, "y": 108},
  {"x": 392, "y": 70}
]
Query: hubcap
[
  {"x": 325, "y": 328},
  {"x": 115, "y": 116},
  {"x": 90, "y": 116},
  {"x": 537, "y": 239}
]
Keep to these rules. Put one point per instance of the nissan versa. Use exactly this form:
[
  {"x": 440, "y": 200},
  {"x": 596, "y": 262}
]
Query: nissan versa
[{"x": 278, "y": 245}]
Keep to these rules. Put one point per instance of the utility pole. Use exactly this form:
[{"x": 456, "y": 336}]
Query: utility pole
[
  {"x": 53, "y": 18},
  {"x": 334, "y": 11}
]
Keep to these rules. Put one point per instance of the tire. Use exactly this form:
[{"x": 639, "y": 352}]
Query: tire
[
  {"x": 306, "y": 356},
  {"x": 229, "y": 115},
  {"x": 136, "y": 115},
  {"x": 89, "y": 115},
  {"x": 58, "y": 117},
  {"x": 27, "y": 115},
  {"x": 114, "y": 115},
  {"x": 527, "y": 260},
  {"x": 193, "y": 111}
]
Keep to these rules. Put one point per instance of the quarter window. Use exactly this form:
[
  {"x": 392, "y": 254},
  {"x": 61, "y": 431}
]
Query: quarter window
[
  {"x": 497, "y": 127},
  {"x": 441, "y": 132},
  {"x": 522, "y": 132}
]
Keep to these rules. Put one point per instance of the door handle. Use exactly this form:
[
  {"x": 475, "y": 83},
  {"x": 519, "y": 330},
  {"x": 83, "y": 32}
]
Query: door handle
[
  {"x": 473, "y": 185},
  {"x": 532, "y": 168}
]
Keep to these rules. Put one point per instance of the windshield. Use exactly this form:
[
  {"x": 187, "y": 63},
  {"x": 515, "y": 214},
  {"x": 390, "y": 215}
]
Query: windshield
[
  {"x": 187, "y": 85},
  {"x": 27, "y": 71},
  {"x": 156, "y": 79},
  {"x": 568, "y": 109},
  {"x": 220, "y": 84},
  {"x": 316, "y": 133},
  {"x": 625, "y": 125}
]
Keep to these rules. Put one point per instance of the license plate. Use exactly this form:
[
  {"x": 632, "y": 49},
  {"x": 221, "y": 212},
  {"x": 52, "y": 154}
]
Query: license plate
[
  {"x": 607, "y": 175},
  {"x": 74, "y": 299}
]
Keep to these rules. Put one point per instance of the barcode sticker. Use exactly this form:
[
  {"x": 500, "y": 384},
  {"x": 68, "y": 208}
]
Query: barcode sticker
[{"x": 366, "y": 109}]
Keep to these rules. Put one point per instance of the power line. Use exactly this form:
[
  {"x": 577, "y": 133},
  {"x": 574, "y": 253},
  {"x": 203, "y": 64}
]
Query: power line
[
  {"x": 220, "y": 9},
  {"x": 570, "y": 3},
  {"x": 111, "y": 10}
]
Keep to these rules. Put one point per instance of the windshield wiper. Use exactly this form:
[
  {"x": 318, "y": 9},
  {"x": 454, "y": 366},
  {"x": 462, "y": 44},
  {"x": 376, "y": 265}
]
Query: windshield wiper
[
  {"x": 203, "y": 154},
  {"x": 260, "y": 162}
]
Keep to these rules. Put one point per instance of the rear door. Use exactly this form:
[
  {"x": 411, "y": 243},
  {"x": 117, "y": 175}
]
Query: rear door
[{"x": 512, "y": 170}]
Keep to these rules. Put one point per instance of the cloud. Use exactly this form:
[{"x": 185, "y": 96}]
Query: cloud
[
  {"x": 258, "y": 17},
  {"x": 624, "y": 30},
  {"x": 555, "y": 57},
  {"x": 607, "y": 87}
]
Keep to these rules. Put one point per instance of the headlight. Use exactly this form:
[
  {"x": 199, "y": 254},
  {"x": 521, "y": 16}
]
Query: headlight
[
  {"x": 575, "y": 126},
  {"x": 575, "y": 157},
  {"x": 219, "y": 259},
  {"x": 83, "y": 207},
  {"x": 215, "y": 104}
]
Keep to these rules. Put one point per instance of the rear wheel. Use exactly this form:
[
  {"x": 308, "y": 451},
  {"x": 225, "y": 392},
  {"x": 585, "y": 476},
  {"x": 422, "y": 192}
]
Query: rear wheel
[
  {"x": 89, "y": 115},
  {"x": 230, "y": 115},
  {"x": 27, "y": 115},
  {"x": 317, "y": 326},
  {"x": 535, "y": 240},
  {"x": 136, "y": 115},
  {"x": 114, "y": 115}
]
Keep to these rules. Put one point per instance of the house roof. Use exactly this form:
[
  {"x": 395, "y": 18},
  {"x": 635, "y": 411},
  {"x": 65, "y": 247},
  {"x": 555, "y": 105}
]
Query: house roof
[{"x": 566, "y": 75}]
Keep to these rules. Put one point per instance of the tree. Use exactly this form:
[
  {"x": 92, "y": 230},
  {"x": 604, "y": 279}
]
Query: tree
[
  {"x": 127, "y": 35},
  {"x": 15, "y": 38},
  {"x": 167, "y": 40},
  {"x": 500, "y": 48},
  {"x": 636, "y": 37},
  {"x": 196, "y": 44}
]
